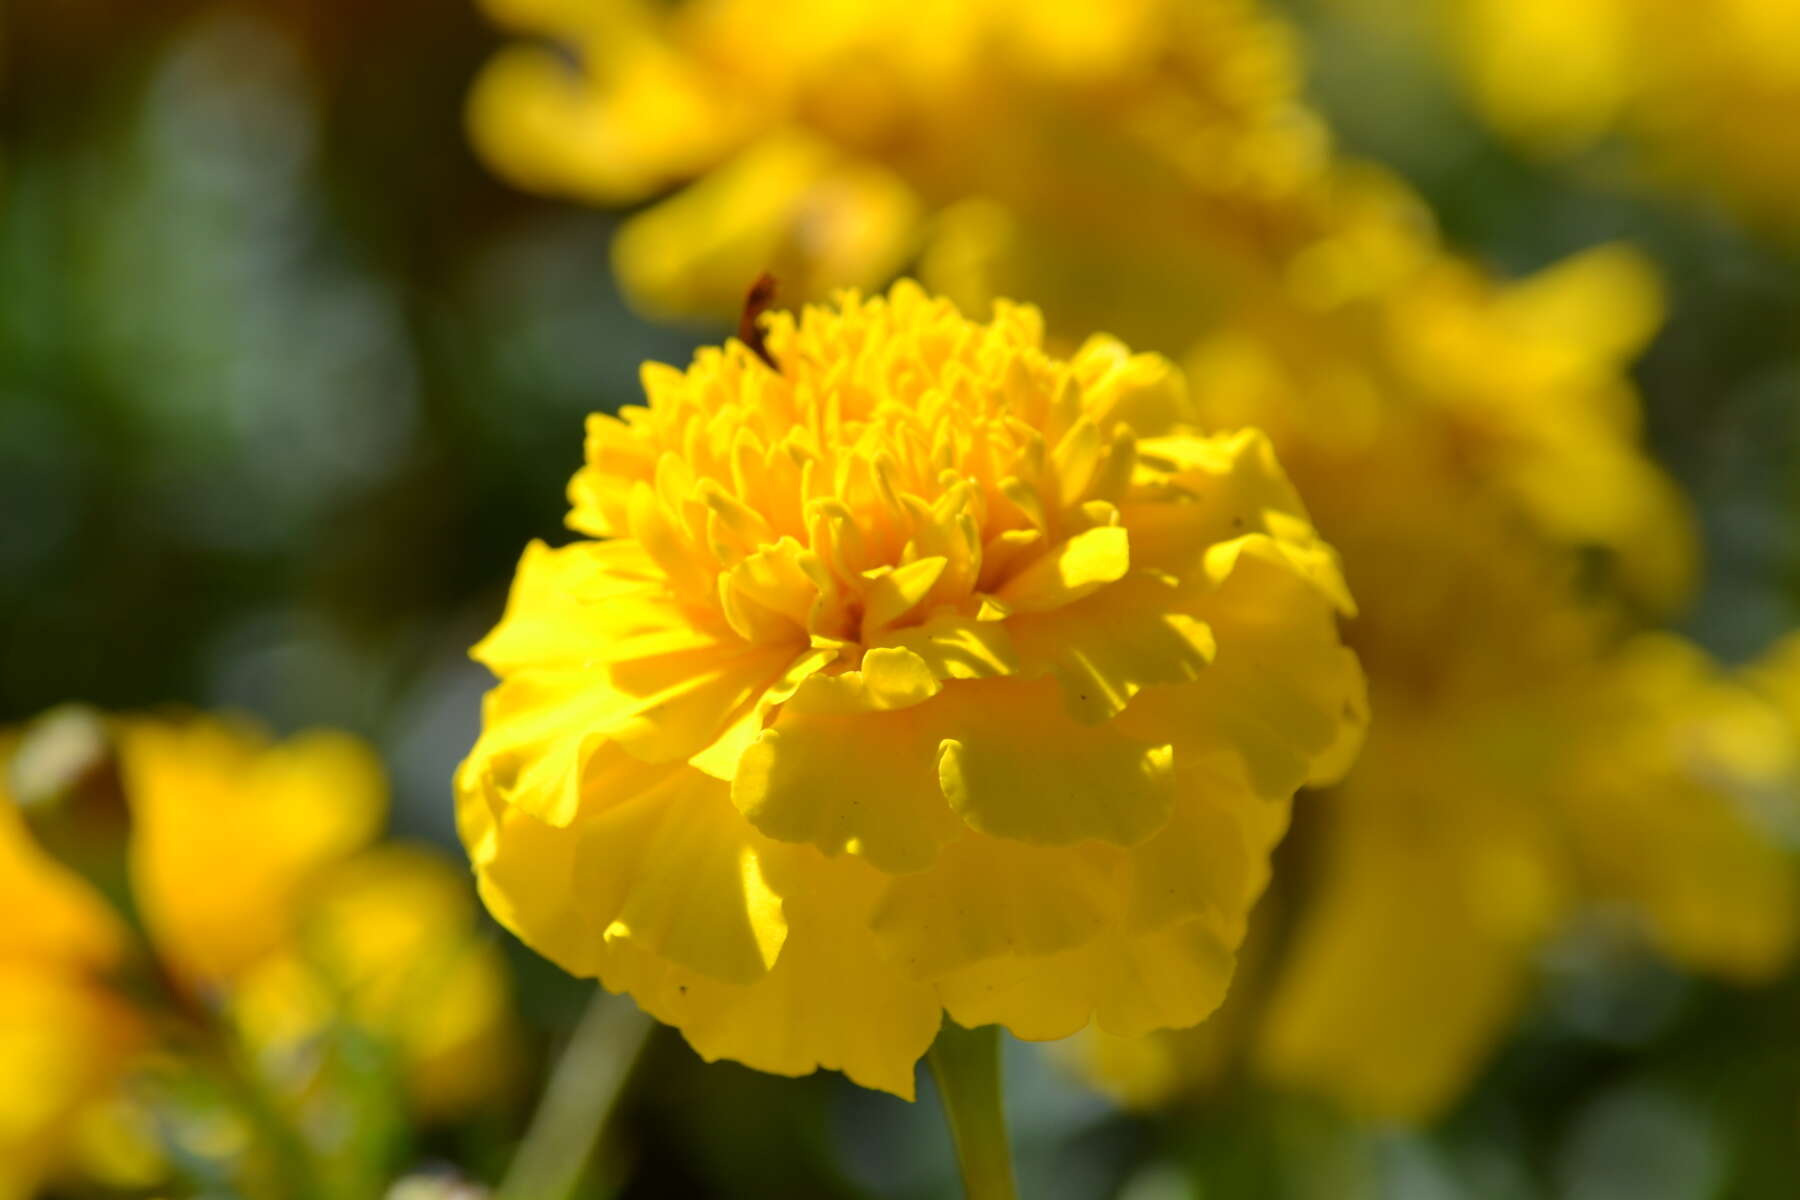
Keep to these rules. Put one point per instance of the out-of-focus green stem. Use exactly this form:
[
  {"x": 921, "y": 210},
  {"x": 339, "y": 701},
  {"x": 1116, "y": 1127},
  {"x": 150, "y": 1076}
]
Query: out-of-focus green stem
[
  {"x": 966, "y": 1065},
  {"x": 583, "y": 1090}
]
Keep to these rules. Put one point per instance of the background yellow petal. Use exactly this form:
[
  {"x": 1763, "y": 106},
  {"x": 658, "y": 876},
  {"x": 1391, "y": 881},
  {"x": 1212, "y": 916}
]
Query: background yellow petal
[
  {"x": 1675, "y": 803},
  {"x": 1412, "y": 954},
  {"x": 55, "y": 914},
  {"x": 228, "y": 829},
  {"x": 64, "y": 1044}
]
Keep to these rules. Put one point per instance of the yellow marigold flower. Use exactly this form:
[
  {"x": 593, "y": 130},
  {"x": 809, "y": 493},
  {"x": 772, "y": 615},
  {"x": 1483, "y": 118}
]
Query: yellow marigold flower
[{"x": 920, "y": 673}]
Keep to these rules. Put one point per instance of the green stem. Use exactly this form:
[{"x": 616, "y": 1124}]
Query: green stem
[
  {"x": 966, "y": 1065},
  {"x": 582, "y": 1092}
]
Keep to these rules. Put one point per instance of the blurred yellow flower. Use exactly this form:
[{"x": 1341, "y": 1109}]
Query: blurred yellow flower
[
  {"x": 64, "y": 1038},
  {"x": 825, "y": 136},
  {"x": 264, "y": 907},
  {"x": 1707, "y": 92},
  {"x": 1670, "y": 810},
  {"x": 229, "y": 829},
  {"x": 388, "y": 945},
  {"x": 71, "y": 925},
  {"x": 65, "y": 1044},
  {"x": 920, "y": 673},
  {"x": 1705, "y": 871}
]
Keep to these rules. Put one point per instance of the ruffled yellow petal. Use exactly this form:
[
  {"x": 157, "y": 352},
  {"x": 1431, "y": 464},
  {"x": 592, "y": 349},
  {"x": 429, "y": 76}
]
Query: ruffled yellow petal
[
  {"x": 680, "y": 873},
  {"x": 1212, "y": 857},
  {"x": 1200, "y": 491},
  {"x": 1107, "y": 648},
  {"x": 525, "y": 875},
  {"x": 673, "y": 869},
  {"x": 985, "y": 897},
  {"x": 590, "y": 602},
  {"x": 605, "y": 729},
  {"x": 1127, "y": 985},
  {"x": 1281, "y": 691},
  {"x": 1004, "y": 777},
  {"x": 1136, "y": 940},
  {"x": 832, "y": 1000},
  {"x": 675, "y": 706},
  {"x": 1086, "y": 562},
  {"x": 862, "y": 783},
  {"x": 543, "y": 732},
  {"x": 957, "y": 647}
]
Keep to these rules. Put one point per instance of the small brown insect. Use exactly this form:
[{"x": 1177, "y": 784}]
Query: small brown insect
[{"x": 757, "y": 301}]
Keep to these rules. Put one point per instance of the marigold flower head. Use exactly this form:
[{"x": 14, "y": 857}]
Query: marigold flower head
[{"x": 924, "y": 673}]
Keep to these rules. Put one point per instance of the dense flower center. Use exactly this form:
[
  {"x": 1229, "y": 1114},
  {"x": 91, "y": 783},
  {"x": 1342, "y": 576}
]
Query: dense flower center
[{"x": 888, "y": 469}]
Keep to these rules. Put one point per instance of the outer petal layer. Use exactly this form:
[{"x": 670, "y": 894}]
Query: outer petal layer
[{"x": 833, "y": 1000}]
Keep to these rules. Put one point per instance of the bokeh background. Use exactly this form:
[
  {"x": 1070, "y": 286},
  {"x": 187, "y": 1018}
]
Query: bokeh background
[{"x": 288, "y": 378}]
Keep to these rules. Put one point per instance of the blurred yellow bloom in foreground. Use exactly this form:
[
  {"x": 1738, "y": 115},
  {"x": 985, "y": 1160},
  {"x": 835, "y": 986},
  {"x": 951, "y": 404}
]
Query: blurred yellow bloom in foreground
[
  {"x": 1708, "y": 92},
  {"x": 64, "y": 1037},
  {"x": 248, "y": 863},
  {"x": 1471, "y": 444},
  {"x": 919, "y": 673}
]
